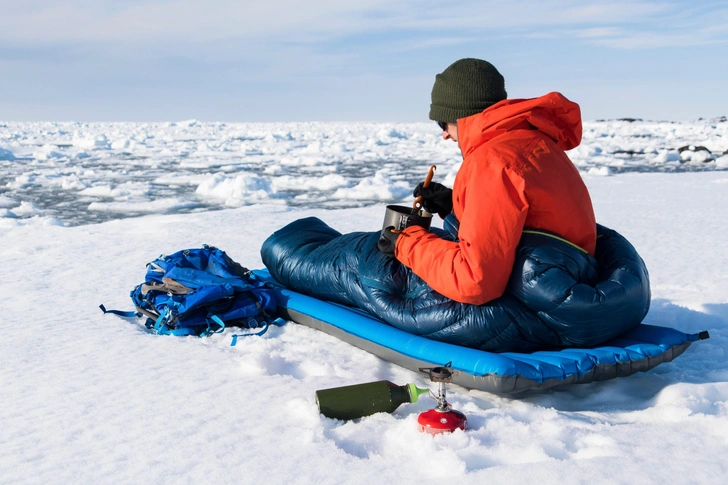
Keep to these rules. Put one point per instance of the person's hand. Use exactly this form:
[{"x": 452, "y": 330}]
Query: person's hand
[
  {"x": 436, "y": 198},
  {"x": 388, "y": 241}
]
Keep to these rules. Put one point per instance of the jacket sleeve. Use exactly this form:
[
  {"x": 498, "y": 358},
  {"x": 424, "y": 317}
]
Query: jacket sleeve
[{"x": 475, "y": 270}]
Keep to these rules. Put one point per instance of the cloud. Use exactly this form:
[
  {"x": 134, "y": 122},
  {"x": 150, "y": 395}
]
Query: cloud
[
  {"x": 652, "y": 40},
  {"x": 690, "y": 26},
  {"x": 182, "y": 58},
  {"x": 419, "y": 43},
  {"x": 187, "y": 20},
  {"x": 599, "y": 32},
  {"x": 315, "y": 21},
  {"x": 329, "y": 37}
]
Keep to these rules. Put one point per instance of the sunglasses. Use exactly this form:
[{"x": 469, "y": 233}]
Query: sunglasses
[{"x": 442, "y": 125}]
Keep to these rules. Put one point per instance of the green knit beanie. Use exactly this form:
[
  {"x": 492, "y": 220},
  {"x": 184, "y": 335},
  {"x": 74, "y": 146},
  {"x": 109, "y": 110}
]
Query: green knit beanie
[{"x": 465, "y": 88}]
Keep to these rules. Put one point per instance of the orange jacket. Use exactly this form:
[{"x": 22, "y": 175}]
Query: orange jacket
[{"x": 515, "y": 174}]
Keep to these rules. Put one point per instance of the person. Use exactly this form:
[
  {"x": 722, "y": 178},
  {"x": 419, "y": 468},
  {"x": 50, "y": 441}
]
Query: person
[{"x": 515, "y": 175}]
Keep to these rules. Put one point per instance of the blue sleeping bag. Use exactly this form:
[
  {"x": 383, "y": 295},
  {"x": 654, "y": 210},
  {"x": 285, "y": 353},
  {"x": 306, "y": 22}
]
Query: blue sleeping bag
[{"x": 558, "y": 296}]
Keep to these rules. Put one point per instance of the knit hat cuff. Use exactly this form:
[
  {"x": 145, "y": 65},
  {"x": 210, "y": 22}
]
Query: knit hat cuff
[{"x": 451, "y": 115}]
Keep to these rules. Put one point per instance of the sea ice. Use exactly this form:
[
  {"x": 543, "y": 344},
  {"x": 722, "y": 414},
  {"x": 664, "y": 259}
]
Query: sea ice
[
  {"x": 601, "y": 171},
  {"x": 341, "y": 164},
  {"x": 7, "y": 202},
  {"x": 236, "y": 191},
  {"x": 48, "y": 152},
  {"x": 379, "y": 187},
  {"x": 6, "y": 154},
  {"x": 97, "y": 142},
  {"x": 699, "y": 156},
  {"x": 25, "y": 209}
]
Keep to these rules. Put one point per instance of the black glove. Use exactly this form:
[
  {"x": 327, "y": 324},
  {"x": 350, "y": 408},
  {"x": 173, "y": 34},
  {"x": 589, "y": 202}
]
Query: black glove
[
  {"x": 436, "y": 198},
  {"x": 388, "y": 241}
]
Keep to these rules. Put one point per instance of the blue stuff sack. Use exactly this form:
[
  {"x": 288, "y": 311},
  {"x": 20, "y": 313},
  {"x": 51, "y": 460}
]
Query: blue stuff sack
[{"x": 201, "y": 292}]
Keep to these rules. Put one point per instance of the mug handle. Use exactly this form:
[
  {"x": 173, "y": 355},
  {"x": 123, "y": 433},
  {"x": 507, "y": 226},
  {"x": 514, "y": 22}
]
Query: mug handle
[{"x": 431, "y": 173}]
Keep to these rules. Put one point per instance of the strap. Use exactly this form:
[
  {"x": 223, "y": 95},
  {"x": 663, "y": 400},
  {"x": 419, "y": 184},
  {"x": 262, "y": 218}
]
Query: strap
[
  {"x": 178, "y": 332},
  {"x": 217, "y": 320},
  {"x": 698, "y": 336},
  {"x": 266, "y": 324},
  {"x": 235, "y": 337},
  {"x": 160, "y": 322},
  {"x": 554, "y": 236},
  {"x": 120, "y": 313},
  {"x": 161, "y": 328},
  {"x": 155, "y": 267}
]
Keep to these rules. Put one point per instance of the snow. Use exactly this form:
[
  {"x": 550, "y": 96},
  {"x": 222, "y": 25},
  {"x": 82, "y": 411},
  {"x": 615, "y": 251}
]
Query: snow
[{"x": 92, "y": 398}]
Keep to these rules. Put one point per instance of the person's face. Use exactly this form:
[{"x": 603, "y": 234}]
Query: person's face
[{"x": 450, "y": 132}]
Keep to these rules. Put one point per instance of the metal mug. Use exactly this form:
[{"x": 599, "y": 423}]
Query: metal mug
[{"x": 401, "y": 217}]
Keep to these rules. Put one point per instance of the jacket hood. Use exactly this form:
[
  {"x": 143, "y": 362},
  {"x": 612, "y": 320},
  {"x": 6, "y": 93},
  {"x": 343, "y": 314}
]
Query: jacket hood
[{"x": 551, "y": 114}]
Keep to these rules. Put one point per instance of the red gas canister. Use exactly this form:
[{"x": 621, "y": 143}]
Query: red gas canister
[
  {"x": 435, "y": 421},
  {"x": 442, "y": 419}
]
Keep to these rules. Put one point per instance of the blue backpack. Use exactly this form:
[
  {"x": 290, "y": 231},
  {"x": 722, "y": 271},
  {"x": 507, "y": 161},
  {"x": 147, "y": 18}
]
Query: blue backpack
[{"x": 201, "y": 292}]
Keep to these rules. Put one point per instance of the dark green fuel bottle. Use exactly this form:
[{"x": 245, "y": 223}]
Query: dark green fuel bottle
[{"x": 351, "y": 402}]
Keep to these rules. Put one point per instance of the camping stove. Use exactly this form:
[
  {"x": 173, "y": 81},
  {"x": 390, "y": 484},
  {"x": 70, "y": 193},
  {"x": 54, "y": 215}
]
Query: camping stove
[{"x": 442, "y": 419}]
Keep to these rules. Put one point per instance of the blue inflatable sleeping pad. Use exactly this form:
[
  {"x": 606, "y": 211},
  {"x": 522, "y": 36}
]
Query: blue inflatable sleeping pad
[
  {"x": 565, "y": 317},
  {"x": 639, "y": 349}
]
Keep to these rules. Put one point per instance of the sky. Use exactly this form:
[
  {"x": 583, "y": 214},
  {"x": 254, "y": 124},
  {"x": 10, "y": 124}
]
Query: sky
[{"x": 364, "y": 60}]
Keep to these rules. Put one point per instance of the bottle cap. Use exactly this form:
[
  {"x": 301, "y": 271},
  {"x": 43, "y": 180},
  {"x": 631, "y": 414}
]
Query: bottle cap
[{"x": 415, "y": 392}]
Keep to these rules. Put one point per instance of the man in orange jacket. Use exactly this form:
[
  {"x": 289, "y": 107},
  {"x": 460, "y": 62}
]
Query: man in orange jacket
[{"x": 515, "y": 176}]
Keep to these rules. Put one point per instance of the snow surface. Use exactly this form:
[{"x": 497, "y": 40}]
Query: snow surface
[{"x": 92, "y": 398}]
